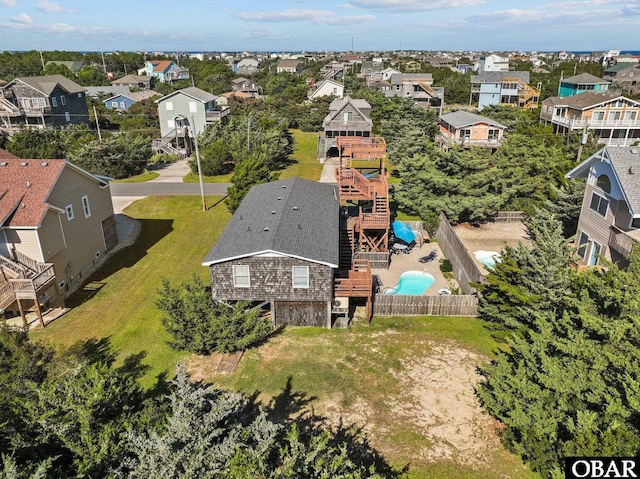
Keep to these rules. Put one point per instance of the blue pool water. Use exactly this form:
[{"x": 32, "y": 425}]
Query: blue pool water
[
  {"x": 412, "y": 282},
  {"x": 487, "y": 258}
]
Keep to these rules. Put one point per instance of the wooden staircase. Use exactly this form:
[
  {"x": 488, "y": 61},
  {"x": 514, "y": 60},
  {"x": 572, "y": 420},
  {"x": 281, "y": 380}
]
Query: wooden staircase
[
  {"x": 357, "y": 282},
  {"x": 527, "y": 95}
]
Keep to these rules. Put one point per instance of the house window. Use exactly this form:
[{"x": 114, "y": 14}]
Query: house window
[
  {"x": 67, "y": 117},
  {"x": 300, "y": 276},
  {"x": 599, "y": 204},
  {"x": 122, "y": 104},
  {"x": 635, "y": 223},
  {"x": 598, "y": 115},
  {"x": 114, "y": 104},
  {"x": 241, "y": 276},
  {"x": 85, "y": 206},
  {"x": 493, "y": 134},
  {"x": 347, "y": 116},
  {"x": 582, "y": 244},
  {"x": 54, "y": 101},
  {"x": 604, "y": 183},
  {"x": 79, "y": 95},
  {"x": 193, "y": 107},
  {"x": 614, "y": 115},
  {"x": 63, "y": 100},
  {"x": 169, "y": 106},
  {"x": 466, "y": 133},
  {"x": 630, "y": 115},
  {"x": 69, "y": 210}
]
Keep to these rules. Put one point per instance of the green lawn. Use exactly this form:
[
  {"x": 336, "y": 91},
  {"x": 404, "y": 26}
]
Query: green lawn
[
  {"x": 141, "y": 178},
  {"x": 193, "y": 178},
  {"x": 305, "y": 147},
  {"x": 176, "y": 235}
]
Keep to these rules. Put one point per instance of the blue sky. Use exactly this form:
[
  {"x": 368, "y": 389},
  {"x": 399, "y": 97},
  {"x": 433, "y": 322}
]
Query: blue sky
[{"x": 282, "y": 25}]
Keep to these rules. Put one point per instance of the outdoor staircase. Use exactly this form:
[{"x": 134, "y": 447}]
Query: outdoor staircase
[
  {"x": 161, "y": 145},
  {"x": 427, "y": 88},
  {"x": 8, "y": 108},
  {"x": 527, "y": 95}
]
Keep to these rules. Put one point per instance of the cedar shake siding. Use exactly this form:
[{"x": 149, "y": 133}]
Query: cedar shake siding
[
  {"x": 271, "y": 279},
  {"x": 595, "y": 225}
]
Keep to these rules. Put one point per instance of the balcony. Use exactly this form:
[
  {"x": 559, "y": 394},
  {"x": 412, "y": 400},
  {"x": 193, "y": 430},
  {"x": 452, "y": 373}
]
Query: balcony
[
  {"x": 623, "y": 241},
  {"x": 467, "y": 142},
  {"x": 216, "y": 115},
  {"x": 577, "y": 123}
]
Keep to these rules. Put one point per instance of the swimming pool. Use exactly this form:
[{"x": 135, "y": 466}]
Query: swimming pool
[
  {"x": 487, "y": 258},
  {"x": 412, "y": 282}
]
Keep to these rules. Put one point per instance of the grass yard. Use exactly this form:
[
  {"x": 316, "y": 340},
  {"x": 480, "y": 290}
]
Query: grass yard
[
  {"x": 305, "y": 147},
  {"x": 193, "y": 178},
  {"x": 141, "y": 178},
  {"x": 176, "y": 235}
]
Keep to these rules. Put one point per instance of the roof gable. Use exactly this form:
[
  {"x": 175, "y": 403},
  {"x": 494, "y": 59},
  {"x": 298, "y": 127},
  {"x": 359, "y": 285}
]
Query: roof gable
[
  {"x": 294, "y": 217},
  {"x": 45, "y": 84},
  {"x": 461, "y": 118},
  {"x": 338, "y": 105},
  {"x": 588, "y": 100},
  {"x": 192, "y": 92}
]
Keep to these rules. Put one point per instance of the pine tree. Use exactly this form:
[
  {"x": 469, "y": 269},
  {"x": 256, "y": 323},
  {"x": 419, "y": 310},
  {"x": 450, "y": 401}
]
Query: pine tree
[{"x": 247, "y": 173}]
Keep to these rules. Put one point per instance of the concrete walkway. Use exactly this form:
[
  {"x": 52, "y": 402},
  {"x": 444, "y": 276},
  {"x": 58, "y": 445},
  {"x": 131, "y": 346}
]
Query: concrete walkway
[
  {"x": 171, "y": 173},
  {"x": 329, "y": 171}
]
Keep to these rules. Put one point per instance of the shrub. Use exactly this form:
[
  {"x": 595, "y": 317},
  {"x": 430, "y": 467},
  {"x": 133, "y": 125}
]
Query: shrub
[
  {"x": 445, "y": 266},
  {"x": 163, "y": 158}
]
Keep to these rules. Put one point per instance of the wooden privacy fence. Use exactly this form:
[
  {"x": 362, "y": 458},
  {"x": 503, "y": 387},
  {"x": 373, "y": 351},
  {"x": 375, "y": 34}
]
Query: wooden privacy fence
[
  {"x": 412, "y": 305},
  {"x": 464, "y": 268}
]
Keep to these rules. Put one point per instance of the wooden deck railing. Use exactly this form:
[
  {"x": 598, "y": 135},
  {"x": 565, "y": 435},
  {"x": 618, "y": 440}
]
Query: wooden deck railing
[
  {"x": 358, "y": 283},
  {"x": 14, "y": 269},
  {"x": 619, "y": 241}
]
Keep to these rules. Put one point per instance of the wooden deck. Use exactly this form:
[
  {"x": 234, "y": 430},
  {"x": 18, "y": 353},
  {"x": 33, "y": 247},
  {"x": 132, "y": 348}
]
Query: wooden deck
[
  {"x": 26, "y": 279},
  {"x": 356, "y": 283}
]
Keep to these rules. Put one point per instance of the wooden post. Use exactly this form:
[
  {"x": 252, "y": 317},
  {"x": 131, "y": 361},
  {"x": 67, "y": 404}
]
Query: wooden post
[
  {"x": 328, "y": 314},
  {"x": 58, "y": 295},
  {"x": 273, "y": 314},
  {"x": 24, "y": 317},
  {"x": 39, "y": 311}
]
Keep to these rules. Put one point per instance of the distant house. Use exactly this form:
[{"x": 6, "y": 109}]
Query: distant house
[
  {"x": 123, "y": 101},
  {"x": 369, "y": 68},
  {"x": 387, "y": 73},
  {"x": 347, "y": 117},
  {"x": 164, "y": 71},
  {"x": 494, "y": 63},
  {"x": 244, "y": 85},
  {"x": 42, "y": 101},
  {"x": 613, "y": 119},
  {"x": 625, "y": 76},
  {"x": 412, "y": 66},
  {"x": 56, "y": 225},
  {"x": 247, "y": 66},
  {"x": 327, "y": 88},
  {"x": 74, "y": 66},
  {"x": 609, "y": 223},
  {"x": 108, "y": 91},
  {"x": 504, "y": 88},
  {"x": 438, "y": 62},
  {"x": 332, "y": 69},
  {"x": 468, "y": 129},
  {"x": 185, "y": 113},
  {"x": 281, "y": 248},
  {"x": 290, "y": 66},
  {"x": 380, "y": 85},
  {"x": 582, "y": 83},
  {"x": 417, "y": 86},
  {"x": 135, "y": 81}
]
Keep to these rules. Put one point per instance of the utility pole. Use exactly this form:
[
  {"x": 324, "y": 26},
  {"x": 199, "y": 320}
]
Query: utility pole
[
  {"x": 248, "y": 131},
  {"x": 95, "y": 114},
  {"x": 195, "y": 141},
  {"x": 41, "y": 57},
  {"x": 104, "y": 65}
]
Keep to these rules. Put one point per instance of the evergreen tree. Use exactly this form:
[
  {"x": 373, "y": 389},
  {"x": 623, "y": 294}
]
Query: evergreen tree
[{"x": 247, "y": 173}]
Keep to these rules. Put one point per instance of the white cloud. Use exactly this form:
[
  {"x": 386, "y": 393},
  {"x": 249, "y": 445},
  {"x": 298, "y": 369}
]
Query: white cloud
[
  {"x": 9, "y": 3},
  {"x": 547, "y": 17},
  {"x": 23, "y": 19},
  {"x": 413, "y": 5},
  {"x": 49, "y": 6},
  {"x": 266, "y": 32},
  {"x": 317, "y": 17}
]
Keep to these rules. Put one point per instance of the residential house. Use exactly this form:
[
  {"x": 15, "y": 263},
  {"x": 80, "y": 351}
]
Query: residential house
[
  {"x": 624, "y": 76},
  {"x": 246, "y": 66},
  {"x": 387, "y": 73},
  {"x": 417, "y": 86},
  {"x": 42, "y": 101},
  {"x": 56, "y": 226},
  {"x": 182, "y": 114},
  {"x": 412, "y": 66},
  {"x": 101, "y": 92},
  {"x": 326, "y": 88},
  {"x": 381, "y": 85},
  {"x": 141, "y": 82},
  {"x": 609, "y": 223},
  {"x": 74, "y": 66},
  {"x": 468, "y": 129},
  {"x": 244, "y": 85},
  {"x": 438, "y": 62},
  {"x": 294, "y": 66},
  {"x": 332, "y": 69},
  {"x": 347, "y": 117},
  {"x": 164, "y": 71},
  {"x": 494, "y": 63},
  {"x": 581, "y": 83},
  {"x": 281, "y": 247},
  {"x": 370, "y": 69},
  {"x": 123, "y": 101},
  {"x": 504, "y": 88},
  {"x": 613, "y": 119}
]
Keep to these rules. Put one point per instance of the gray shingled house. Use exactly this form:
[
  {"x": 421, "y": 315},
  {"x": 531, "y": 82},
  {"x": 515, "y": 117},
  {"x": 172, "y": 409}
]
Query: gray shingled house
[
  {"x": 609, "y": 223},
  {"x": 281, "y": 247}
]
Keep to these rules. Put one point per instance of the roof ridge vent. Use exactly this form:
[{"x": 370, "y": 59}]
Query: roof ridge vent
[
  {"x": 24, "y": 163},
  {"x": 266, "y": 229}
]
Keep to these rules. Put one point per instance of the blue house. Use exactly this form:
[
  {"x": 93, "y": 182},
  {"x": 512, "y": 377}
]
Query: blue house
[
  {"x": 123, "y": 101},
  {"x": 582, "y": 83},
  {"x": 504, "y": 88},
  {"x": 164, "y": 71}
]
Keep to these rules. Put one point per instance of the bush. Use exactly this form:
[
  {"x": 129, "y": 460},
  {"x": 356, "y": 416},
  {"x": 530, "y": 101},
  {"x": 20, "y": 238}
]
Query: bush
[
  {"x": 200, "y": 325},
  {"x": 163, "y": 158},
  {"x": 445, "y": 266}
]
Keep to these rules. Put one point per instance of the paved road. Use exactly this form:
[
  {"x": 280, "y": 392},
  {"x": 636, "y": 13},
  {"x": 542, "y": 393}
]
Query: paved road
[{"x": 155, "y": 188}]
